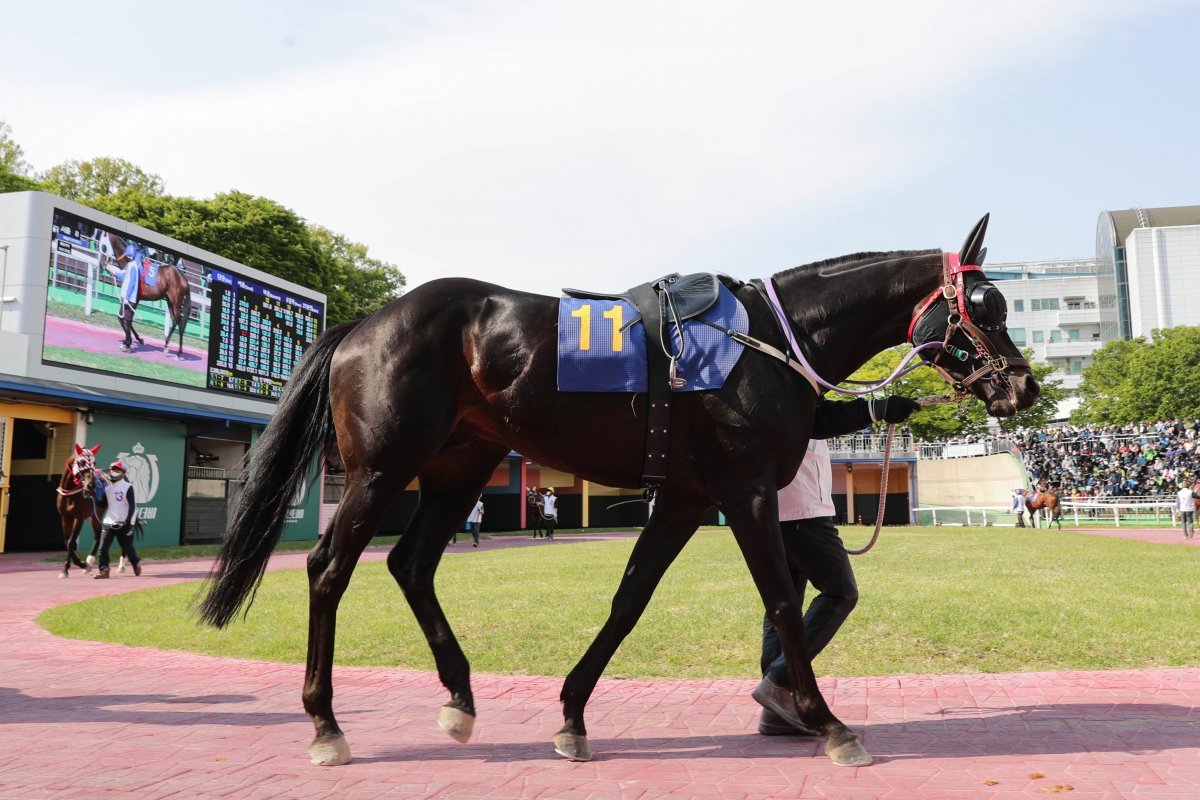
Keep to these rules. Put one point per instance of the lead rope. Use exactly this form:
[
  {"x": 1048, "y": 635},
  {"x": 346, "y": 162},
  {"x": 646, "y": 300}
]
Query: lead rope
[{"x": 924, "y": 402}]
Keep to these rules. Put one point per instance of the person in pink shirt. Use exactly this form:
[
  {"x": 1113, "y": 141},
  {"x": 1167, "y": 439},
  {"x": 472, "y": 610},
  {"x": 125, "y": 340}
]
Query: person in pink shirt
[{"x": 816, "y": 553}]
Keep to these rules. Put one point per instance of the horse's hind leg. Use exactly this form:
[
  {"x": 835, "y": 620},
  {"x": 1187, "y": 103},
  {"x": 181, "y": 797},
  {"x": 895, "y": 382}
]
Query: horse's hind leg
[
  {"x": 753, "y": 516},
  {"x": 450, "y": 484},
  {"x": 367, "y": 498},
  {"x": 669, "y": 529}
]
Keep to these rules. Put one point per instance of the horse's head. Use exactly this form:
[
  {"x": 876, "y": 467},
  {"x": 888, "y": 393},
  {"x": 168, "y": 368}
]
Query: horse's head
[
  {"x": 968, "y": 315},
  {"x": 83, "y": 465},
  {"x": 112, "y": 249}
]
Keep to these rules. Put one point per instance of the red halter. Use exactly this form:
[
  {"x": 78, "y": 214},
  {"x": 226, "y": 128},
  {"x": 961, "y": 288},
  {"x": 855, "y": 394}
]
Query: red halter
[{"x": 995, "y": 366}]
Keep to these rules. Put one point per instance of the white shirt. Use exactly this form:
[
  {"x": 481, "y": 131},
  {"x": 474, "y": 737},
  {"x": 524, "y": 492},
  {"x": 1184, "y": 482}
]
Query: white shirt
[
  {"x": 1185, "y": 500},
  {"x": 810, "y": 494},
  {"x": 550, "y": 502},
  {"x": 119, "y": 499},
  {"x": 476, "y": 512}
]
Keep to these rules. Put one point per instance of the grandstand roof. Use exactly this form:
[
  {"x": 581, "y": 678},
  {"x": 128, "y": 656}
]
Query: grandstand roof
[{"x": 1127, "y": 220}]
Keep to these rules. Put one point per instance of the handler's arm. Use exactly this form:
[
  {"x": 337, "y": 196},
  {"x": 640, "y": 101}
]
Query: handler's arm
[
  {"x": 836, "y": 418},
  {"x": 132, "y": 506}
]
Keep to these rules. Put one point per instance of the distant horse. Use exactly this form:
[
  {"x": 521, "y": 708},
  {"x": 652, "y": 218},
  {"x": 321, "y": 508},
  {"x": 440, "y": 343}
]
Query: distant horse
[
  {"x": 170, "y": 284},
  {"x": 1044, "y": 500},
  {"x": 535, "y": 512},
  {"x": 444, "y": 382},
  {"x": 76, "y": 502}
]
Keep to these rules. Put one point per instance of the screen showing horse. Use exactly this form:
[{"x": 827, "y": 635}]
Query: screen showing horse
[{"x": 132, "y": 307}]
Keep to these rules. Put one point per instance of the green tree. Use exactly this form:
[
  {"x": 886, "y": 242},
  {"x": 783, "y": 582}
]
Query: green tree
[
  {"x": 85, "y": 181},
  {"x": 934, "y": 422},
  {"x": 1045, "y": 410},
  {"x": 14, "y": 172},
  {"x": 1105, "y": 382},
  {"x": 362, "y": 284},
  {"x": 12, "y": 155},
  {"x": 1144, "y": 381}
]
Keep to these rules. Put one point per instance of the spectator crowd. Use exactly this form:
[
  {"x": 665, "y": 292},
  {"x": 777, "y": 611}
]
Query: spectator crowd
[{"x": 1141, "y": 460}]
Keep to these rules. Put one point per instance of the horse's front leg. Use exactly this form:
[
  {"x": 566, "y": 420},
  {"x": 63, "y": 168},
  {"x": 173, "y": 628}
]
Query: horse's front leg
[
  {"x": 669, "y": 529},
  {"x": 754, "y": 518},
  {"x": 330, "y": 565},
  {"x": 71, "y": 527}
]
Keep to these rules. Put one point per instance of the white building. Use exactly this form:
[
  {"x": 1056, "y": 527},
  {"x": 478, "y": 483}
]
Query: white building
[
  {"x": 1053, "y": 308},
  {"x": 1148, "y": 270}
]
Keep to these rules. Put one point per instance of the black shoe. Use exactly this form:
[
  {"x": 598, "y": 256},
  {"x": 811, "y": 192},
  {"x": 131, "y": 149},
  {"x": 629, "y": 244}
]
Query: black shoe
[
  {"x": 778, "y": 700},
  {"x": 771, "y": 724}
]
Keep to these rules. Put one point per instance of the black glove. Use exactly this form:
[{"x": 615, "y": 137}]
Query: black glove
[{"x": 894, "y": 409}]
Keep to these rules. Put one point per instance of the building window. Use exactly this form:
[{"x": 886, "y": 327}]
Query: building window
[
  {"x": 1035, "y": 304},
  {"x": 1073, "y": 334},
  {"x": 1050, "y": 304},
  {"x": 1076, "y": 367},
  {"x": 1018, "y": 305},
  {"x": 1039, "y": 337},
  {"x": 1055, "y": 336},
  {"x": 1017, "y": 335}
]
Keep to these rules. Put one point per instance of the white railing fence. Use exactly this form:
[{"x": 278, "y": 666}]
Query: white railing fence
[{"x": 1117, "y": 511}]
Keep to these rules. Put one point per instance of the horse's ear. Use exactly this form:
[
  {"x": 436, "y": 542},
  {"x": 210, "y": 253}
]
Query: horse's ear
[
  {"x": 95, "y": 449},
  {"x": 78, "y": 449},
  {"x": 969, "y": 254},
  {"x": 982, "y": 256}
]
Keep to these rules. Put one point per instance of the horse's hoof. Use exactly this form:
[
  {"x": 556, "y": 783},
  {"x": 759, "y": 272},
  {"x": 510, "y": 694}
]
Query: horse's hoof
[
  {"x": 456, "y": 722},
  {"x": 331, "y": 752},
  {"x": 63, "y": 574},
  {"x": 573, "y": 747},
  {"x": 849, "y": 754},
  {"x": 91, "y": 562}
]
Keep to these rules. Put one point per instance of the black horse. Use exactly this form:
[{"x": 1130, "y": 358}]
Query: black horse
[{"x": 443, "y": 383}]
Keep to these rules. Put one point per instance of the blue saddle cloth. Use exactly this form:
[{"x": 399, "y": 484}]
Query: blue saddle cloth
[
  {"x": 596, "y": 355},
  {"x": 150, "y": 274}
]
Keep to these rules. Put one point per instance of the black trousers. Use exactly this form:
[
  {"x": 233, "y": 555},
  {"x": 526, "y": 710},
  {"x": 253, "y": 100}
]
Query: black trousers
[
  {"x": 124, "y": 536},
  {"x": 816, "y": 555},
  {"x": 125, "y": 315}
]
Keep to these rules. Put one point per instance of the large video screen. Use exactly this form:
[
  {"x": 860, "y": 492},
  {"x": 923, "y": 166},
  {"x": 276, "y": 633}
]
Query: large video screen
[{"x": 112, "y": 302}]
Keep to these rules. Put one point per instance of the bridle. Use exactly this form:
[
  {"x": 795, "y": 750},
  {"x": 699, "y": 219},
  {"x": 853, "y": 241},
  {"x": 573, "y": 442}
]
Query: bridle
[
  {"x": 80, "y": 465},
  {"x": 973, "y": 314}
]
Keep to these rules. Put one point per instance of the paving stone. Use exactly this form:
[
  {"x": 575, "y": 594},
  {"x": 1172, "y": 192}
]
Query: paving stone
[{"x": 178, "y": 726}]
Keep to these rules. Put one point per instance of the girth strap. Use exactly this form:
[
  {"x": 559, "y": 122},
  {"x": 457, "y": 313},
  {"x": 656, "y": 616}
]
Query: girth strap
[{"x": 658, "y": 413}]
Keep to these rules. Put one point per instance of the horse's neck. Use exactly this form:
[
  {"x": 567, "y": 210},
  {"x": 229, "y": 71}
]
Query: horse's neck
[{"x": 855, "y": 307}]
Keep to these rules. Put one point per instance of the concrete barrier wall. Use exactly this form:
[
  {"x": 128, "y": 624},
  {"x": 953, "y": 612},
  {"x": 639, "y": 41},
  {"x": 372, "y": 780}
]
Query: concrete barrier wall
[{"x": 976, "y": 481}]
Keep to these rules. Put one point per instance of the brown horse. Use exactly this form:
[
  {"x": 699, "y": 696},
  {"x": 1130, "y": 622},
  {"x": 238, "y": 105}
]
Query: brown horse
[
  {"x": 76, "y": 502},
  {"x": 1047, "y": 501},
  {"x": 171, "y": 284},
  {"x": 537, "y": 518},
  {"x": 444, "y": 382}
]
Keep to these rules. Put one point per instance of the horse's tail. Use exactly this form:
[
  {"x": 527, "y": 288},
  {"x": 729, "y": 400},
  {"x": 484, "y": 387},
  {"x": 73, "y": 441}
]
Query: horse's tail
[{"x": 300, "y": 428}]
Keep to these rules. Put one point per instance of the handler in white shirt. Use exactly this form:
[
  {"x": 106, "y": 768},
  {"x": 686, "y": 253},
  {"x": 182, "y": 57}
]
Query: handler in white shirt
[{"x": 816, "y": 553}]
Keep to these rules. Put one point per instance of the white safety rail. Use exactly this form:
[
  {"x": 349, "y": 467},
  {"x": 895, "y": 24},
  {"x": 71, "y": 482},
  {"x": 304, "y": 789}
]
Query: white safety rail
[
  {"x": 1120, "y": 510},
  {"x": 966, "y": 516},
  {"x": 871, "y": 445}
]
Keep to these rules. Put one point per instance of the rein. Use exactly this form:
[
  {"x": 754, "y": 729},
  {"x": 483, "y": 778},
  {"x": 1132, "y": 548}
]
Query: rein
[{"x": 925, "y": 402}]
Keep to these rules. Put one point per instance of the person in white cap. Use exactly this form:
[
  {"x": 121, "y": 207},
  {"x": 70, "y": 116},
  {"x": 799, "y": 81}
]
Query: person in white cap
[{"x": 118, "y": 520}]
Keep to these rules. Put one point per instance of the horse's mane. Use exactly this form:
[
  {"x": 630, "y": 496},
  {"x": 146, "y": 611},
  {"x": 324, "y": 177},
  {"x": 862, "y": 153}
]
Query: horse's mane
[{"x": 831, "y": 267}]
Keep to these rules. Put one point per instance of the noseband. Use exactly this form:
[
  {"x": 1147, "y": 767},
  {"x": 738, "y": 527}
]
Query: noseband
[{"x": 995, "y": 367}]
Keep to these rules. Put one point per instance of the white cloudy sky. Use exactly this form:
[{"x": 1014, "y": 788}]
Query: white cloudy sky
[{"x": 544, "y": 144}]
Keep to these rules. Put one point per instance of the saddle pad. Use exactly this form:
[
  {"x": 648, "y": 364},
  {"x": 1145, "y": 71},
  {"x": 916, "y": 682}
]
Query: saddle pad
[
  {"x": 595, "y": 355},
  {"x": 150, "y": 274}
]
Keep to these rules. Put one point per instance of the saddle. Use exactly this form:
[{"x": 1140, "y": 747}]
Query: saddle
[{"x": 669, "y": 301}]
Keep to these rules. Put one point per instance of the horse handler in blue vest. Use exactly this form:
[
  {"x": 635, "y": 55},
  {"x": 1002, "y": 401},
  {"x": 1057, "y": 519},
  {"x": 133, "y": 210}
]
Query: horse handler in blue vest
[
  {"x": 816, "y": 554},
  {"x": 118, "y": 520}
]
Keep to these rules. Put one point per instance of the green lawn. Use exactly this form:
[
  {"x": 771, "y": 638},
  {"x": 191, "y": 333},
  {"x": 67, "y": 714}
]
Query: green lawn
[
  {"x": 123, "y": 363},
  {"x": 934, "y": 600}
]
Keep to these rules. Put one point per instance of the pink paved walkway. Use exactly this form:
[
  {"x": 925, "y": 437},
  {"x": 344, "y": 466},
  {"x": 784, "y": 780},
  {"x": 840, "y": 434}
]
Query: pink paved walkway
[{"x": 82, "y": 720}]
